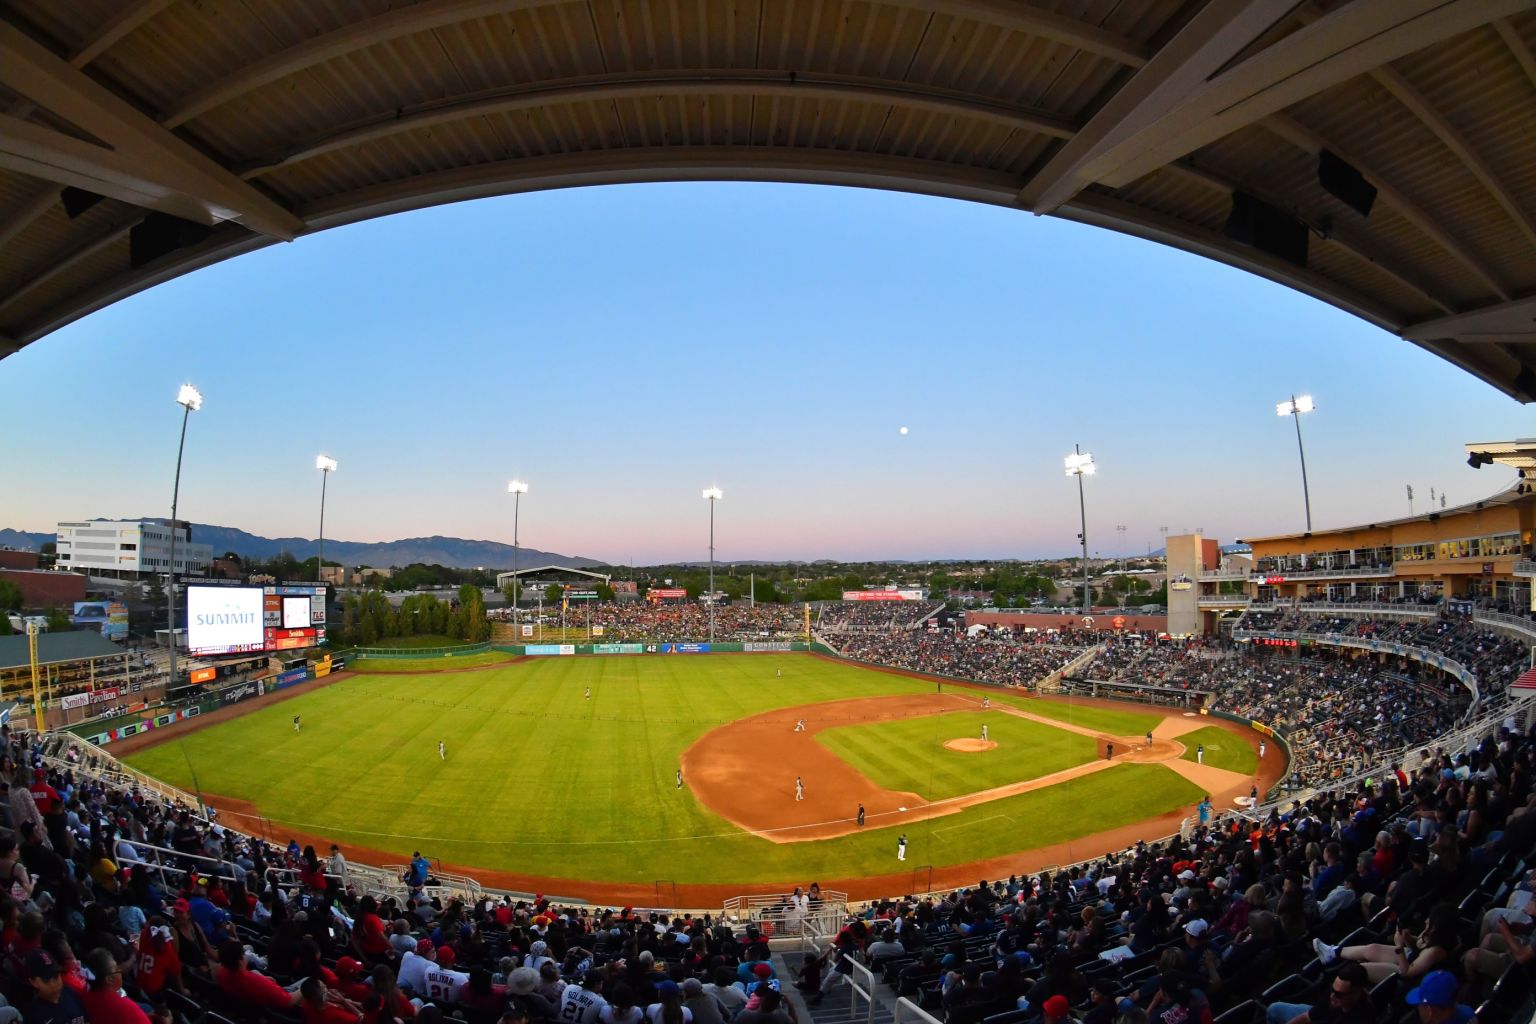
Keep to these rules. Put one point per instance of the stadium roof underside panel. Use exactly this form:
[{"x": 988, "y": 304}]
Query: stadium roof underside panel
[
  {"x": 1379, "y": 155},
  {"x": 54, "y": 648}
]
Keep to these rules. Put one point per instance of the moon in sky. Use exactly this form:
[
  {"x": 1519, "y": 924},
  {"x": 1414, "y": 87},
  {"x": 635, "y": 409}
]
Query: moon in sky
[{"x": 903, "y": 430}]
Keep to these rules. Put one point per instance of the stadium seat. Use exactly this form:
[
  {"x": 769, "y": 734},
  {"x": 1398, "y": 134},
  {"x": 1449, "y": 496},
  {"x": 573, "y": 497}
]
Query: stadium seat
[{"x": 1243, "y": 1013}]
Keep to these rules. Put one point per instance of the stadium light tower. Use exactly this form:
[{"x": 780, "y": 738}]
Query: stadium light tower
[
  {"x": 712, "y": 495},
  {"x": 190, "y": 399},
  {"x": 516, "y": 488},
  {"x": 1294, "y": 408},
  {"x": 1080, "y": 464},
  {"x": 326, "y": 465}
]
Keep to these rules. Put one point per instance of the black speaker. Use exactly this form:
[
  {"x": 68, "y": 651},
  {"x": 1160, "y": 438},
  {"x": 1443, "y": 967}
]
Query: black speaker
[
  {"x": 159, "y": 234},
  {"x": 1344, "y": 182},
  {"x": 1267, "y": 228},
  {"x": 77, "y": 200}
]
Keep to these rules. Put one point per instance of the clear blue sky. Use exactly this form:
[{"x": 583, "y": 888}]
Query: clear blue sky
[{"x": 621, "y": 348}]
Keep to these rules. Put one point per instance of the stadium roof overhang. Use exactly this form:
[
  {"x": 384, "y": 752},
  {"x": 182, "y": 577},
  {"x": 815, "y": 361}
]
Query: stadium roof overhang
[
  {"x": 502, "y": 578},
  {"x": 1379, "y": 155}
]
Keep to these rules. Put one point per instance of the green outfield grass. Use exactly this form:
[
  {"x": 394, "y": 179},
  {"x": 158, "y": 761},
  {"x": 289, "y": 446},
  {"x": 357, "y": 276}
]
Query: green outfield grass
[
  {"x": 1090, "y": 716},
  {"x": 1222, "y": 749},
  {"x": 909, "y": 755},
  {"x": 437, "y": 664},
  {"x": 542, "y": 781}
]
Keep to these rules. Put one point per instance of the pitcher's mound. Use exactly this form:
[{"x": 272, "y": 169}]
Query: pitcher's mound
[{"x": 969, "y": 745}]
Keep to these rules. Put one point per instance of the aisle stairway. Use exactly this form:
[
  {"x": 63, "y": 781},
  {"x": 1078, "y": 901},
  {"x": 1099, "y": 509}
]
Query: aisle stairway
[{"x": 839, "y": 1006}]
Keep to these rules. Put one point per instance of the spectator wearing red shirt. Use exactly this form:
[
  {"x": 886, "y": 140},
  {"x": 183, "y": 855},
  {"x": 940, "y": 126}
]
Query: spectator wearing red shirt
[
  {"x": 368, "y": 936},
  {"x": 349, "y": 974},
  {"x": 247, "y": 986},
  {"x": 104, "y": 1000},
  {"x": 159, "y": 962},
  {"x": 45, "y": 796},
  {"x": 321, "y": 1005}
]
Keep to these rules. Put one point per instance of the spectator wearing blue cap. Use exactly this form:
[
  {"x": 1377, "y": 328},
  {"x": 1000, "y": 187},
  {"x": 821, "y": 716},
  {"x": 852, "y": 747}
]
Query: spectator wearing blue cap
[{"x": 1435, "y": 999}]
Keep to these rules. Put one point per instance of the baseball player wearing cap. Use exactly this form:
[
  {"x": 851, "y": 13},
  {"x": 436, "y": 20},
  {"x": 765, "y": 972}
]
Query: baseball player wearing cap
[{"x": 799, "y": 788}]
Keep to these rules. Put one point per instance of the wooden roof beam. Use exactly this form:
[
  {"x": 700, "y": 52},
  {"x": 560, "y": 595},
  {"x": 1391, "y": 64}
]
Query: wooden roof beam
[
  {"x": 704, "y": 82},
  {"x": 1342, "y": 44},
  {"x": 156, "y": 156},
  {"x": 1305, "y": 139},
  {"x": 432, "y": 14},
  {"x": 1213, "y": 38}
]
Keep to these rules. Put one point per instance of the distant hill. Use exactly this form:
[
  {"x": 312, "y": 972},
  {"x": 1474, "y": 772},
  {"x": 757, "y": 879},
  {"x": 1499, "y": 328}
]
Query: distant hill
[{"x": 450, "y": 551}]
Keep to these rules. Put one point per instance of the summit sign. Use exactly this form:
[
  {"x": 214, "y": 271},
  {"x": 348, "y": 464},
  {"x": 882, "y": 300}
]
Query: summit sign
[{"x": 224, "y": 620}]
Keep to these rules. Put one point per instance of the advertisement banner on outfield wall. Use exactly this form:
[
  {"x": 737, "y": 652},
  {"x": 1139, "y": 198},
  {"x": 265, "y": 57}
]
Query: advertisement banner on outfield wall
[
  {"x": 618, "y": 648},
  {"x": 685, "y": 648},
  {"x": 547, "y": 649},
  {"x": 292, "y": 677},
  {"x": 776, "y": 647},
  {"x": 235, "y": 694}
]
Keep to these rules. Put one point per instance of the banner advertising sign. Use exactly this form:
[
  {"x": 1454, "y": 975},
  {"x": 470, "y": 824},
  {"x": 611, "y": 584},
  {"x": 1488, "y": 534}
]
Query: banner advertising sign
[
  {"x": 235, "y": 694},
  {"x": 768, "y": 648},
  {"x": 581, "y": 595},
  {"x": 527, "y": 629},
  {"x": 290, "y": 678},
  {"x": 116, "y": 626},
  {"x": 618, "y": 648},
  {"x": 666, "y": 593},
  {"x": 323, "y": 667},
  {"x": 80, "y": 700},
  {"x": 543, "y": 649},
  {"x": 598, "y": 630},
  {"x": 882, "y": 595},
  {"x": 685, "y": 648},
  {"x": 204, "y": 675},
  {"x": 224, "y": 620}
]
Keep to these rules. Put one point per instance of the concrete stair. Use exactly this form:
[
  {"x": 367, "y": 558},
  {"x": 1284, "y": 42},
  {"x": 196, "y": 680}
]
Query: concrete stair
[{"x": 840, "y": 1005}]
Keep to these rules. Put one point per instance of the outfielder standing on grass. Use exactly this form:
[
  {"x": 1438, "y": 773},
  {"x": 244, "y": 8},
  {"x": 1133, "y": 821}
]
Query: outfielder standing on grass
[
  {"x": 296, "y": 726},
  {"x": 679, "y": 778},
  {"x": 442, "y": 753}
]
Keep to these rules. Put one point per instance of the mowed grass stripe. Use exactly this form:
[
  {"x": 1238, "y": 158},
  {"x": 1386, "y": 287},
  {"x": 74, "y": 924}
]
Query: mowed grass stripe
[
  {"x": 1222, "y": 749},
  {"x": 540, "y": 780},
  {"x": 439, "y": 664},
  {"x": 1088, "y": 716},
  {"x": 909, "y": 755}
]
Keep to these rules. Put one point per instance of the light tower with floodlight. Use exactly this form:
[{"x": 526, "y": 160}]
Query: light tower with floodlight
[
  {"x": 190, "y": 399},
  {"x": 326, "y": 465},
  {"x": 1080, "y": 464},
  {"x": 516, "y": 488},
  {"x": 712, "y": 495},
  {"x": 1294, "y": 408}
]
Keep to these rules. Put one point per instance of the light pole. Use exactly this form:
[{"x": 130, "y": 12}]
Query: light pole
[
  {"x": 1080, "y": 464},
  {"x": 712, "y": 495},
  {"x": 517, "y": 489},
  {"x": 190, "y": 399},
  {"x": 326, "y": 465},
  {"x": 1294, "y": 408}
]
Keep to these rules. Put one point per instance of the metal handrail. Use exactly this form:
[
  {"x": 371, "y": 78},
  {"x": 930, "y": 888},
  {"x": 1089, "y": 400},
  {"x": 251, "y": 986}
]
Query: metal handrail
[
  {"x": 906, "y": 1010},
  {"x": 1343, "y": 572},
  {"x": 1526, "y": 628}
]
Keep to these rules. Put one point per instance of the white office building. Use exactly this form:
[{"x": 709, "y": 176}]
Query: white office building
[{"x": 138, "y": 548}]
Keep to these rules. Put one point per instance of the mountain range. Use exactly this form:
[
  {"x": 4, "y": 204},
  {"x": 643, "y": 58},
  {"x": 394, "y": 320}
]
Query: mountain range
[{"x": 450, "y": 551}]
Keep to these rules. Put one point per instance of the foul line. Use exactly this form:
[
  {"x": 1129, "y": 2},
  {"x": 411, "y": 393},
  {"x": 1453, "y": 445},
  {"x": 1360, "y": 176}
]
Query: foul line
[{"x": 977, "y": 821}]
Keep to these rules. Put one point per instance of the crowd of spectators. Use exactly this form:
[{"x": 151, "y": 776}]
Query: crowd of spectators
[
  {"x": 97, "y": 925},
  {"x": 1406, "y": 898},
  {"x": 872, "y": 616},
  {"x": 1496, "y": 659},
  {"x": 1003, "y": 656}
]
